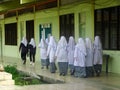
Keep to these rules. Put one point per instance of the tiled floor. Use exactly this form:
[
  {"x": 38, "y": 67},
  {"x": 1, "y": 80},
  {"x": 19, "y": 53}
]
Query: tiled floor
[{"x": 104, "y": 82}]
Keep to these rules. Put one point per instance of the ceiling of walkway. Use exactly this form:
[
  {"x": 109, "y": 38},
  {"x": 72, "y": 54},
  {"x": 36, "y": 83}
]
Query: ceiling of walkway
[
  {"x": 3, "y": 1},
  {"x": 22, "y": 6},
  {"x": 10, "y": 8},
  {"x": 13, "y": 4}
]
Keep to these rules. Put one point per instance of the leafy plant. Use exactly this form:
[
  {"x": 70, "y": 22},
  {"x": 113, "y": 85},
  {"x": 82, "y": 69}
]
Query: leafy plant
[
  {"x": 11, "y": 69},
  {"x": 19, "y": 76}
]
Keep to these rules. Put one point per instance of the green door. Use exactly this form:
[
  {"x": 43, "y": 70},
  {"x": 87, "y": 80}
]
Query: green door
[{"x": 45, "y": 30}]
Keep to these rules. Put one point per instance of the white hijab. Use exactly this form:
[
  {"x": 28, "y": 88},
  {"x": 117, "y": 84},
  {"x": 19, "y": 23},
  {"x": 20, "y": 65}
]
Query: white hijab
[
  {"x": 81, "y": 46},
  {"x": 32, "y": 42},
  {"x": 52, "y": 42},
  {"x": 97, "y": 43},
  {"x": 71, "y": 43},
  {"x": 24, "y": 41},
  {"x": 43, "y": 44},
  {"x": 62, "y": 42},
  {"x": 89, "y": 44}
]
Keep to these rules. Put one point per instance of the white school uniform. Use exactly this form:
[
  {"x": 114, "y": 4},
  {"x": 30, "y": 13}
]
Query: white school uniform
[
  {"x": 70, "y": 49},
  {"x": 97, "y": 51},
  {"x": 43, "y": 49}
]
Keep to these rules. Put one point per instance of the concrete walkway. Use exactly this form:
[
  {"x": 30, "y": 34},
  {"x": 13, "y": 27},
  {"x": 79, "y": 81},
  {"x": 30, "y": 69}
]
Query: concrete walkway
[{"x": 104, "y": 82}]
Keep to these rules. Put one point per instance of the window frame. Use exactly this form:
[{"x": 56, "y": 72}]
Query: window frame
[
  {"x": 66, "y": 23},
  {"x": 11, "y": 34},
  {"x": 100, "y": 26}
]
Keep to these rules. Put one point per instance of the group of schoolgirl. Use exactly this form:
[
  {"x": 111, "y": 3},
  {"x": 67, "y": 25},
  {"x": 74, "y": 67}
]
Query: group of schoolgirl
[
  {"x": 83, "y": 58},
  {"x": 28, "y": 49}
]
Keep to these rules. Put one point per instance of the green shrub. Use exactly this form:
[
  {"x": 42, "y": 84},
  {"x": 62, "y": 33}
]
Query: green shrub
[
  {"x": 19, "y": 76},
  {"x": 11, "y": 69}
]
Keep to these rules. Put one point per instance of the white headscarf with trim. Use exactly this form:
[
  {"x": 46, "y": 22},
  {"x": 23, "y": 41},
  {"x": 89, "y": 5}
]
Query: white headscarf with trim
[
  {"x": 32, "y": 42},
  {"x": 24, "y": 41},
  {"x": 52, "y": 42},
  {"x": 71, "y": 43},
  {"x": 97, "y": 43},
  {"x": 81, "y": 46},
  {"x": 62, "y": 42},
  {"x": 43, "y": 43},
  {"x": 88, "y": 43}
]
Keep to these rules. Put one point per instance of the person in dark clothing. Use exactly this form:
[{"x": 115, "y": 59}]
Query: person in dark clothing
[
  {"x": 32, "y": 50},
  {"x": 23, "y": 49}
]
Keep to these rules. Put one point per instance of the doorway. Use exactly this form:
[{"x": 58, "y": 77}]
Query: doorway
[
  {"x": 29, "y": 30},
  {"x": 1, "y": 52},
  {"x": 45, "y": 30},
  {"x": 67, "y": 25}
]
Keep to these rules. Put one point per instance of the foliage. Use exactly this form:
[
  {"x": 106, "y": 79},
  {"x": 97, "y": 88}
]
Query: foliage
[
  {"x": 20, "y": 77},
  {"x": 11, "y": 69}
]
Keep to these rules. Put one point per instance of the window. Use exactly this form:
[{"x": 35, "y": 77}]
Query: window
[
  {"x": 107, "y": 26},
  {"x": 11, "y": 34},
  {"x": 67, "y": 25}
]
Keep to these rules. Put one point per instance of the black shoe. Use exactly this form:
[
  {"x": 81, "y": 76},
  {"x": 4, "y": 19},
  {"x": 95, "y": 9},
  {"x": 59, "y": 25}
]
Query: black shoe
[
  {"x": 52, "y": 72},
  {"x": 85, "y": 76},
  {"x": 60, "y": 74},
  {"x": 24, "y": 62},
  {"x": 63, "y": 74},
  {"x": 98, "y": 75},
  {"x": 42, "y": 67},
  {"x": 72, "y": 73},
  {"x": 46, "y": 67}
]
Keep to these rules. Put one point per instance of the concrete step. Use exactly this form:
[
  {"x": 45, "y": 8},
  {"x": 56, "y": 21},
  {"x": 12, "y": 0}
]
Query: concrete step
[
  {"x": 6, "y": 79},
  {"x": 7, "y": 82},
  {"x": 5, "y": 76}
]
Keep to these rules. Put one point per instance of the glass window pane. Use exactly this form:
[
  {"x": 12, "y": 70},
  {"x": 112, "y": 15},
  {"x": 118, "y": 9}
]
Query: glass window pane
[
  {"x": 106, "y": 36},
  {"x": 113, "y": 28},
  {"x": 107, "y": 26},
  {"x": 11, "y": 34},
  {"x": 113, "y": 36},
  {"x": 105, "y": 29},
  {"x": 106, "y": 15},
  {"x": 119, "y": 28},
  {"x": 98, "y": 15}
]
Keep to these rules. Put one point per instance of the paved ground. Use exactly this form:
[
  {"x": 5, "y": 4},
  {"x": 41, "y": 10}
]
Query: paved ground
[{"x": 104, "y": 82}]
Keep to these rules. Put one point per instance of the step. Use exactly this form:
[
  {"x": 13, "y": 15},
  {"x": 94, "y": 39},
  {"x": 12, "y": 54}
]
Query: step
[
  {"x": 7, "y": 82},
  {"x": 5, "y": 76}
]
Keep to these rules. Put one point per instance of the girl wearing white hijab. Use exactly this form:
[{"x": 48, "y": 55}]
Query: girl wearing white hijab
[
  {"x": 89, "y": 58},
  {"x": 70, "y": 49},
  {"x": 23, "y": 48},
  {"x": 52, "y": 46},
  {"x": 32, "y": 48},
  {"x": 79, "y": 55},
  {"x": 61, "y": 54},
  {"x": 97, "y": 55},
  {"x": 43, "y": 53}
]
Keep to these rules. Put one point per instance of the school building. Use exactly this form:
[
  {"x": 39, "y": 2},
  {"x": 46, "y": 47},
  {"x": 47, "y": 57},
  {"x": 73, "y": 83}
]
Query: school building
[{"x": 78, "y": 18}]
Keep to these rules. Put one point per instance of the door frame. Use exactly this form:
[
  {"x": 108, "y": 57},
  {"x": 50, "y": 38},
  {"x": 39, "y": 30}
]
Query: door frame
[{"x": 1, "y": 45}]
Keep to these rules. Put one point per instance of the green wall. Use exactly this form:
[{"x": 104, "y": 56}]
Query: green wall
[{"x": 52, "y": 16}]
